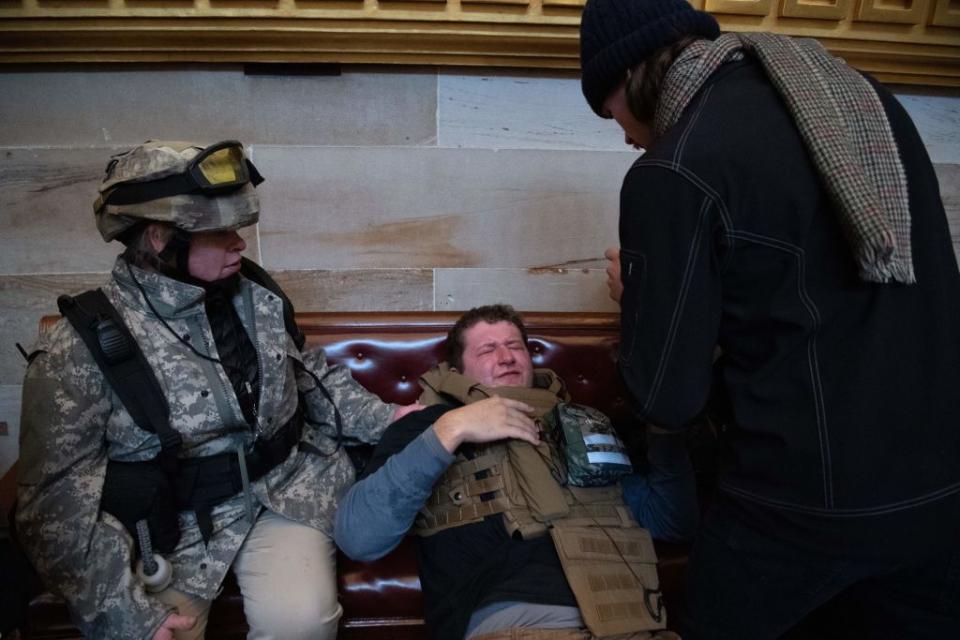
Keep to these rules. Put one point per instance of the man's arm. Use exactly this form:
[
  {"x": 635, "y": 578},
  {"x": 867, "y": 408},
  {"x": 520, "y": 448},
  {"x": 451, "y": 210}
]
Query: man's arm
[
  {"x": 378, "y": 510},
  {"x": 376, "y": 513},
  {"x": 664, "y": 500}
]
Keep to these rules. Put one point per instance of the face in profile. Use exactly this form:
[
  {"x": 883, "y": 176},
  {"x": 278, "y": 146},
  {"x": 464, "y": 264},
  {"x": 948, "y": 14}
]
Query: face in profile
[
  {"x": 496, "y": 355},
  {"x": 637, "y": 134},
  {"x": 214, "y": 255}
]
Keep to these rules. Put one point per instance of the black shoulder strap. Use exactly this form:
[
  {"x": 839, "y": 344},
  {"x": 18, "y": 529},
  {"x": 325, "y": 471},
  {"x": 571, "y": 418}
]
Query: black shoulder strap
[
  {"x": 123, "y": 365},
  {"x": 253, "y": 271}
]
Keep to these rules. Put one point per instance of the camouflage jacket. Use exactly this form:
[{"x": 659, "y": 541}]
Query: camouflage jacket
[{"x": 73, "y": 423}]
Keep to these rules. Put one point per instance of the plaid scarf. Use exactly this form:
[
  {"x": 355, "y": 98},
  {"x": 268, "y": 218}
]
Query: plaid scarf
[{"x": 843, "y": 126}]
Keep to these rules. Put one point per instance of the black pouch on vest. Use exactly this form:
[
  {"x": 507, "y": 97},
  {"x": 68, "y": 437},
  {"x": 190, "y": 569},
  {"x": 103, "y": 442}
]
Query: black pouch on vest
[{"x": 135, "y": 491}]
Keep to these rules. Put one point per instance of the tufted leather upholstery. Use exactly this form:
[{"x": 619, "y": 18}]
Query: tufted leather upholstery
[{"x": 387, "y": 352}]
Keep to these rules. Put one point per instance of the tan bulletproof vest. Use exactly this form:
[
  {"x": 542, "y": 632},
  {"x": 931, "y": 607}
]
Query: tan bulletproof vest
[{"x": 609, "y": 561}]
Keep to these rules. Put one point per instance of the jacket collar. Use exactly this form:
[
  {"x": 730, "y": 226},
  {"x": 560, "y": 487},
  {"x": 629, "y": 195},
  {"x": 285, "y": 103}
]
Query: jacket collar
[{"x": 171, "y": 298}]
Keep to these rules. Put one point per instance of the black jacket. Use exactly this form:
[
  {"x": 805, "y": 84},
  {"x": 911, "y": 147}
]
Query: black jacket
[{"x": 844, "y": 395}]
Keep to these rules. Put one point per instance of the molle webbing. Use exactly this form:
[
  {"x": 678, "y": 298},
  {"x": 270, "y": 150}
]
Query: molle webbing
[
  {"x": 597, "y": 507},
  {"x": 613, "y": 575},
  {"x": 470, "y": 490},
  {"x": 457, "y": 498}
]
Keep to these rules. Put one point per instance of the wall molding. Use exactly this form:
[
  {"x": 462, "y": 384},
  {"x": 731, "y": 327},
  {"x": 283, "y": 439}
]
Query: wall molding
[{"x": 904, "y": 41}]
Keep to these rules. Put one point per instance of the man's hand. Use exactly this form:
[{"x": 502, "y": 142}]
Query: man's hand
[
  {"x": 614, "y": 283},
  {"x": 486, "y": 421},
  {"x": 174, "y": 622},
  {"x": 407, "y": 408}
]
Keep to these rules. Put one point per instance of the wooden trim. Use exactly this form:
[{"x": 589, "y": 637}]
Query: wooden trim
[{"x": 911, "y": 41}]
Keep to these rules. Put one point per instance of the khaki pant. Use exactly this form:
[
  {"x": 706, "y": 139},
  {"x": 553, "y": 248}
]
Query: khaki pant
[
  {"x": 287, "y": 576},
  {"x": 569, "y": 634}
]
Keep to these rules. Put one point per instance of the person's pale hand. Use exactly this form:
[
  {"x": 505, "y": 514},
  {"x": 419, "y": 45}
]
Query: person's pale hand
[
  {"x": 403, "y": 410},
  {"x": 614, "y": 283},
  {"x": 486, "y": 421},
  {"x": 174, "y": 622}
]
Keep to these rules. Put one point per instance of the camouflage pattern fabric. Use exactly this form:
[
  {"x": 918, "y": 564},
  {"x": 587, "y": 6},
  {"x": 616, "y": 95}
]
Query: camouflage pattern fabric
[
  {"x": 190, "y": 212},
  {"x": 73, "y": 422},
  {"x": 593, "y": 453}
]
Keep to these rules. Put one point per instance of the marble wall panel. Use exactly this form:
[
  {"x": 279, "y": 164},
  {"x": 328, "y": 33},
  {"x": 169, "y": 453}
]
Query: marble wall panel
[
  {"x": 512, "y": 112},
  {"x": 582, "y": 289},
  {"x": 126, "y": 105},
  {"x": 23, "y": 301},
  {"x": 332, "y": 208},
  {"x": 938, "y": 120},
  {"x": 9, "y": 414},
  {"x": 46, "y": 214},
  {"x": 358, "y": 289},
  {"x": 949, "y": 177},
  {"x": 498, "y": 111},
  {"x": 46, "y": 198}
]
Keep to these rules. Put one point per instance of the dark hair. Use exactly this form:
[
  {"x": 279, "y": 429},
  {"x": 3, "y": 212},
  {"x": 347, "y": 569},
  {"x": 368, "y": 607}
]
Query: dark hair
[
  {"x": 491, "y": 314},
  {"x": 645, "y": 81},
  {"x": 140, "y": 252}
]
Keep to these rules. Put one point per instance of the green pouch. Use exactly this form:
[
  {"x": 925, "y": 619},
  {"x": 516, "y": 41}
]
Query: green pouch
[{"x": 594, "y": 455}]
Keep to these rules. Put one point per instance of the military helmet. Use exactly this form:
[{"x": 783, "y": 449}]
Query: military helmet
[{"x": 194, "y": 187}]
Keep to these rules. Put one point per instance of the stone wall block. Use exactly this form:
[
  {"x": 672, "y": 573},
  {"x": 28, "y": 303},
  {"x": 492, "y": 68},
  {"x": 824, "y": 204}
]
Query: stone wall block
[
  {"x": 949, "y": 177},
  {"x": 558, "y": 289},
  {"x": 26, "y": 299},
  {"x": 46, "y": 211},
  {"x": 938, "y": 121},
  {"x": 358, "y": 289},
  {"x": 336, "y": 208},
  {"x": 511, "y": 112},
  {"x": 125, "y": 106}
]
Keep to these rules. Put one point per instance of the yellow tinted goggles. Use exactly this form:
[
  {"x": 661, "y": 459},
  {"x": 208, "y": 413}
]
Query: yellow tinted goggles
[{"x": 219, "y": 168}]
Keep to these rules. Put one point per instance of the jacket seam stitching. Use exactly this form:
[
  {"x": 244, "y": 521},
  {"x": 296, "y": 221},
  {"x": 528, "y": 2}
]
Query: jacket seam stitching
[
  {"x": 692, "y": 252},
  {"x": 813, "y": 361},
  {"x": 689, "y": 128},
  {"x": 893, "y": 507},
  {"x": 698, "y": 183}
]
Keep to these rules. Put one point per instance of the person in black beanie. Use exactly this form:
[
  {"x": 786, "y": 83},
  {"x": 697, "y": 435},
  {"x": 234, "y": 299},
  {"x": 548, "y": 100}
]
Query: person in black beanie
[{"x": 785, "y": 210}]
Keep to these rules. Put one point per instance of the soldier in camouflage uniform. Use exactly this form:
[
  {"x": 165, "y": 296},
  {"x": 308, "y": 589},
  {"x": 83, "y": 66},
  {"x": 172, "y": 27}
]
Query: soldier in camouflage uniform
[{"x": 181, "y": 247}]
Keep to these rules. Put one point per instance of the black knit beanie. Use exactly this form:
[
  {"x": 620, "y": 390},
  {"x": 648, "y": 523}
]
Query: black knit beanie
[{"x": 616, "y": 35}]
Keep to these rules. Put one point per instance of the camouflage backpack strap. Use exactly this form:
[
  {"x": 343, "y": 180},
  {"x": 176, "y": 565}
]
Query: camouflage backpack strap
[{"x": 123, "y": 364}]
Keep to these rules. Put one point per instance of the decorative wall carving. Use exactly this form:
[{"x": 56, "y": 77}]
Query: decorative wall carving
[
  {"x": 739, "y": 7},
  {"x": 946, "y": 13},
  {"x": 816, "y": 9},
  {"x": 912, "y": 41},
  {"x": 896, "y": 11}
]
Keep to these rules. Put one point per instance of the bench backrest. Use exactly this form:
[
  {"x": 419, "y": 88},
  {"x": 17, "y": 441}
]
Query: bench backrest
[{"x": 388, "y": 351}]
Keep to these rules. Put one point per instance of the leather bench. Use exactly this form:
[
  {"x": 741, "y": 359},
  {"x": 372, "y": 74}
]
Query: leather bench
[{"x": 387, "y": 352}]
